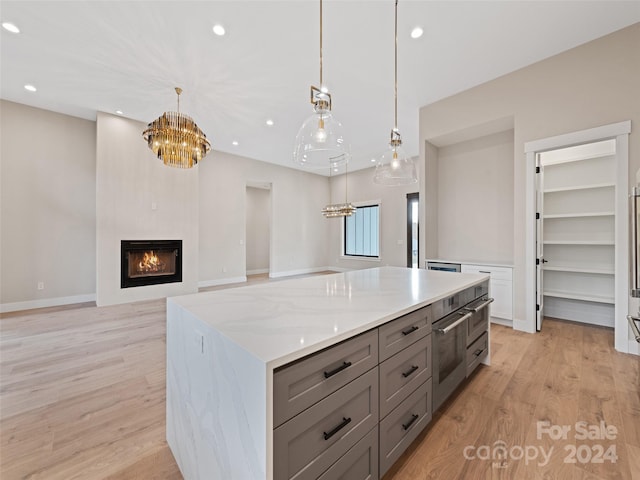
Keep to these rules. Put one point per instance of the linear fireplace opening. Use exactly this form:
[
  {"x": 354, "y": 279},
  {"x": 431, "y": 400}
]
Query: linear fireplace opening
[{"x": 150, "y": 262}]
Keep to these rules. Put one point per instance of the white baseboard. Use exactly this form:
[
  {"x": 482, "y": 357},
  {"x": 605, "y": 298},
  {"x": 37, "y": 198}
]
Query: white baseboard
[
  {"x": 301, "y": 271},
  {"x": 258, "y": 271},
  {"x": 502, "y": 321},
  {"x": 221, "y": 281},
  {"x": 46, "y": 302}
]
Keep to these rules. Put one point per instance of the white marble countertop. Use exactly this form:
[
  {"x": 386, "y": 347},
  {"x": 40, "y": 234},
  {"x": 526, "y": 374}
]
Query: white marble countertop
[{"x": 282, "y": 321}]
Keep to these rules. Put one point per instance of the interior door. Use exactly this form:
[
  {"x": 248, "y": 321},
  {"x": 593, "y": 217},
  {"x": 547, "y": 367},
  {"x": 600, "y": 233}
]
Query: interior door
[{"x": 539, "y": 243}]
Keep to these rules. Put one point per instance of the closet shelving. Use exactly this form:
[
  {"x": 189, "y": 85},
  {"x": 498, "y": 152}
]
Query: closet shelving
[{"x": 578, "y": 227}]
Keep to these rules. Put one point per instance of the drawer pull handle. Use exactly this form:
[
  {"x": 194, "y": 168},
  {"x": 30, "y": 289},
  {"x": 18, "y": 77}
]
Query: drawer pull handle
[
  {"x": 484, "y": 271},
  {"x": 405, "y": 426},
  {"x": 410, "y": 330},
  {"x": 345, "y": 422},
  {"x": 337, "y": 370},
  {"x": 410, "y": 371},
  {"x": 478, "y": 352}
]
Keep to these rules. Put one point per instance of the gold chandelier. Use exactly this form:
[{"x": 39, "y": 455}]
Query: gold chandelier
[
  {"x": 176, "y": 139},
  {"x": 334, "y": 210}
]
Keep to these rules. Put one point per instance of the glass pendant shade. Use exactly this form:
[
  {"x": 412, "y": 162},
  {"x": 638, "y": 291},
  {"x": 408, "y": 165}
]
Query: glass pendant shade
[
  {"x": 320, "y": 142},
  {"x": 395, "y": 168}
]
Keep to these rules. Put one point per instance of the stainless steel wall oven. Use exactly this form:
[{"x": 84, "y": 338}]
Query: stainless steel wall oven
[{"x": 461, "y": 320}]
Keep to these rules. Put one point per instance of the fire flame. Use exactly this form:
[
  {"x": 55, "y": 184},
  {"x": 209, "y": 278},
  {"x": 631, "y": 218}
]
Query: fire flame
[{"x": 150, "y": 263}]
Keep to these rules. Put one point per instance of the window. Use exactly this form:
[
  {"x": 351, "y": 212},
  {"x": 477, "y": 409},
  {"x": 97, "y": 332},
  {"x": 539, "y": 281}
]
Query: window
[{"x": 361, "y": 232}]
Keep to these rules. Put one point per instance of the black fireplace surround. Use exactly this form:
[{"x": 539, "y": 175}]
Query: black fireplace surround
[{"x": 150, "y": 262}]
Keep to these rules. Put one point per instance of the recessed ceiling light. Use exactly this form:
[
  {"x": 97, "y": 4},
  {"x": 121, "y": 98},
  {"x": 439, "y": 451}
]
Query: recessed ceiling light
[
  {"x": 219, "y": 30},
  {"x": 373, "y": 160},
  {"x": 416, "y": 32},
  {"x": 31, "y": 88},
  {"x": 234, "y": 143},
  {"x": 270, "y": 122},
  {"x": 119, "y": 112},
  {"x": 10, "y": 27}
]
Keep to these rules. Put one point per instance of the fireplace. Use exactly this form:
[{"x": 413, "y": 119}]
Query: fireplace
[{"x": 150, "y": 262}]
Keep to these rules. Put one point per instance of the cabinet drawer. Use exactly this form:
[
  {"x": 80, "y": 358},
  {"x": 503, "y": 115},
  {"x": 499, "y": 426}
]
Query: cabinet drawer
[
  {"x": 496, "y": 273},
  {"x": 476, "y": 352},
  {"x": 308, "y": 444},
  {"x": 403, "y": 373},
  {"x": 299, "y": 385},
  {"x": 403, "y": 331},
  {"x": 403, "y": 425},
  {"x": 359, "y": 463}
]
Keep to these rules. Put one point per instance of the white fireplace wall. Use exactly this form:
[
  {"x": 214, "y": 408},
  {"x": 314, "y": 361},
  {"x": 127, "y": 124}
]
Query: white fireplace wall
[{"x": 139, "y": 198}]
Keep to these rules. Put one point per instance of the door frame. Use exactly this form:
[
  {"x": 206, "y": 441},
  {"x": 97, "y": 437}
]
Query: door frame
[
  {"x": 411, "y": 197},
  {"x": 620, "y": 132}
]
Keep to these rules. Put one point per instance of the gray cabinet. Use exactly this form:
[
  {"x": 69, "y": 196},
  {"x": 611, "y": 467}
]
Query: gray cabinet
[
  {"x": 359, "y": 463},
  {"x": 403, "y": 331},
  {"x": 299, "y": 385},
  {"x": 403, "y": 425},
  {"x": 403, "y": 373},
  {"x": 349, "y": 411},
  {"x": 311, "y": 442}
]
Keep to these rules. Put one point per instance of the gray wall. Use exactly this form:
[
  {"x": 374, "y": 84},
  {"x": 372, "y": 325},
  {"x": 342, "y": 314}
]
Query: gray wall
[
  {"x": 393, "y": 219},
  {"x": 52, "y": 224},
  {"x": 591, "y": 85},
  {"x": 258, "y": 232},
  {"x": 48, "y": 222},
  {"x": 475, "y": 208},
  {"x": 299, "y": 235}
]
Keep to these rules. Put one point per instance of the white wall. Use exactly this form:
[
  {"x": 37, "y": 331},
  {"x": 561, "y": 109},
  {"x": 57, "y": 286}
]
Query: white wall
[
  {"x": 595, "y": 84},
  {"x": 393, "y": 219},
  {"x": 47, "y": 208},
  {"x": 258, "y": 232},
  {"x": 475, "y": 211},
  {"x": 299, "y": 236},
  {"x": 129, "y": 181}
]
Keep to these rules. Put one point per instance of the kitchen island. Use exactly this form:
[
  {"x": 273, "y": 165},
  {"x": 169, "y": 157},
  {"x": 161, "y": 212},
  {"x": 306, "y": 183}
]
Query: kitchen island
[{"x": 238, "y": 360}]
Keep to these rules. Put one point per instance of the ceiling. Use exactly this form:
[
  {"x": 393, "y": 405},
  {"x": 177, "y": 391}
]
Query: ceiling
[{"x": 89, "y": 56}]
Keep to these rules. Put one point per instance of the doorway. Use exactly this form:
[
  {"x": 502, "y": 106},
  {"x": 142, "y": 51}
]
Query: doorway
[
  {"x": 412, "y": 230},
  {"x": 534, "y": 279},
  {"x": 576, "y": 232},
  {"x": 258, "y": 228}
]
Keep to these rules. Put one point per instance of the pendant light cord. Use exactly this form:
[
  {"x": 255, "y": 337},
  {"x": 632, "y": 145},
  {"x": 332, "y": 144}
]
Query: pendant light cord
[
  {"x": 396, "y": 71},
  {"x": 320, "y": 43}
]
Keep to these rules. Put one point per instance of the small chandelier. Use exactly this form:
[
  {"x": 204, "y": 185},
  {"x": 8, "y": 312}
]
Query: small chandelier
[
  {"x": 394, "y": 167},
  {"x": 320, "y": 142},
  {"x": 176, "y": 139},
  {"x": 334, "y": 210}
]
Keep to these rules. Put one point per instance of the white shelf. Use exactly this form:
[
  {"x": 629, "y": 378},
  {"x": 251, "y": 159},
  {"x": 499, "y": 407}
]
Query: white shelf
[
  {"x": 579, "y": 215},
  {"x": 580, "y": 296},
  {"x": 596, "y": 271},
  {"x": 580, "y": 187},
  {"x": 578, "y": 242}
]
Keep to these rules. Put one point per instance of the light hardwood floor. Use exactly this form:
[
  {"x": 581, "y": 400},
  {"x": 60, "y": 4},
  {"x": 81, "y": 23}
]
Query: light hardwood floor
[{"x": 82, "y": 396}]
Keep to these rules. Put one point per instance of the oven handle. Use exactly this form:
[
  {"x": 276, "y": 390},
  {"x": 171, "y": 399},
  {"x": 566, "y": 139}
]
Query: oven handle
[
  {"x": 448, "y": 328},
  {"x": 479, "y": 307}
]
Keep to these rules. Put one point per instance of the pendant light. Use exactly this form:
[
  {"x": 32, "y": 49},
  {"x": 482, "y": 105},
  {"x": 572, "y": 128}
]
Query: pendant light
[
  {"x": 394, "y": 167},
  {"x": 320, "y": 142},
  {"x": 176, "y": 139},
  {"x": 334, "y": 210}
]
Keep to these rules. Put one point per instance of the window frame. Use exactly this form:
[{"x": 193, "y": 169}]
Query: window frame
[{"x": 370, "y": 258}]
